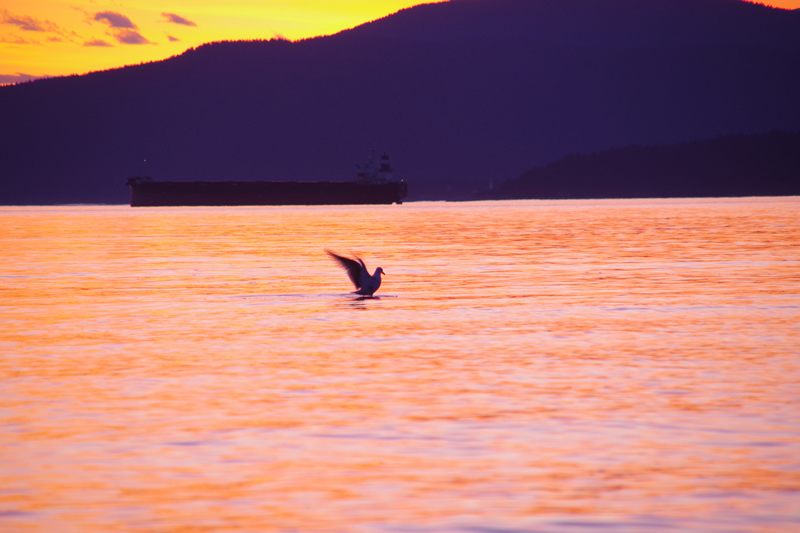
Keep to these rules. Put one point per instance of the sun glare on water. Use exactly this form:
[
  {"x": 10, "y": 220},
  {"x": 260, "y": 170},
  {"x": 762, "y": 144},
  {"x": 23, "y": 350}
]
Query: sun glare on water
[{"x": 527, "y": 366}]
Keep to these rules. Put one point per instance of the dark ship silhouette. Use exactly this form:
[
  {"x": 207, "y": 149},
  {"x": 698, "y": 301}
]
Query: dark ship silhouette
[{"x": 374, "y": 184}]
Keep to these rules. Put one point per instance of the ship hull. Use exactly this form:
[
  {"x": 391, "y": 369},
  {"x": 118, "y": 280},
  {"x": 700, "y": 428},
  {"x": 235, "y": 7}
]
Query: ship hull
[{"x": 145, "y": 193}]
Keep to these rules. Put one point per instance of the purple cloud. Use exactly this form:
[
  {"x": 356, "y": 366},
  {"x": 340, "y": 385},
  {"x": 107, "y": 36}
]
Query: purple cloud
[
  {"x": 19, "y": 77},
  {"x": 172, "y": 39},
  {"x": 96, "y": 42},
  {"x": 17, "y": 40},
  {"x": 177, "y": 19},
  {"x": 130, "y": 37},
  {"x": 27, "y": 23},
  {"x": 115, "y": 20},
  {"x": 22, "y": 22}
]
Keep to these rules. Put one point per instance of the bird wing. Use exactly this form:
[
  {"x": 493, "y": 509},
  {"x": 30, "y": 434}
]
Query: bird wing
[{"x": 355, "y": 268}]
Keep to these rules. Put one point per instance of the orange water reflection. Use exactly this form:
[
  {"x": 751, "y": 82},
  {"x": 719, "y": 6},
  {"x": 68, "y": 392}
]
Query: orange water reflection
[{"x": 530, "y": 365}]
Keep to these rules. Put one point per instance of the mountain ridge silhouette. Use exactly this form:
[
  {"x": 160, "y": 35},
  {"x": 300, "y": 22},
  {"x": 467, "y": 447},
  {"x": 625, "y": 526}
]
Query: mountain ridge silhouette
[{"x": 455, "y": 109}]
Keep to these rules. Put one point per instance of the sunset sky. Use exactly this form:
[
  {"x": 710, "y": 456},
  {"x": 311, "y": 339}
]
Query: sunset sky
[{"x": 60, "y": 37}]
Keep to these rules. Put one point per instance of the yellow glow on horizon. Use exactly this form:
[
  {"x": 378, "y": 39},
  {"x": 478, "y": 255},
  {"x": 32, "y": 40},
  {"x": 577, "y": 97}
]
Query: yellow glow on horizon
[{"x": 55, "y": 37}]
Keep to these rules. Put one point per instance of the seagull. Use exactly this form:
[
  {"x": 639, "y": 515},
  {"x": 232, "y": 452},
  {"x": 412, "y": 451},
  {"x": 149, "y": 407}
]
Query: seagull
[{"x": 357, "y": 270}]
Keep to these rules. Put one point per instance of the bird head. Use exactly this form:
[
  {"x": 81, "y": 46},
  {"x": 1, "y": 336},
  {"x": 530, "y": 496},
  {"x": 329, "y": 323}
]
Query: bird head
[{"x": 380, "y": 271}]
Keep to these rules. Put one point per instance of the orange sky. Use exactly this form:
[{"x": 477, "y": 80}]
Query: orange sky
[{"x": 59, "y": 37}]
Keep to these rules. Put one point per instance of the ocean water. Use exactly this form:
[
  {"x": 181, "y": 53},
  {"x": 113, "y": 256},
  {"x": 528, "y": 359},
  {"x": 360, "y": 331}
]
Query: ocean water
[{"x": 538, "y": 366}]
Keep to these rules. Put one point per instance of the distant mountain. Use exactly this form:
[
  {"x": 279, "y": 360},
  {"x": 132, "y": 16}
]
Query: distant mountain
[
  {"x": 740, "y": 165},
  {"x": 594, "y": 23},
  {"x": 458, "y": 93}
]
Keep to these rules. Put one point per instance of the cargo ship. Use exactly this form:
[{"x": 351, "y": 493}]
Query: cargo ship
[{"x": 373, "y": 184}]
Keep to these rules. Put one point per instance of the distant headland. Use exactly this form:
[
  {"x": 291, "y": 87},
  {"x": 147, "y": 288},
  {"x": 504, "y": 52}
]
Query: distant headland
[{"x": 739, "y": 165}]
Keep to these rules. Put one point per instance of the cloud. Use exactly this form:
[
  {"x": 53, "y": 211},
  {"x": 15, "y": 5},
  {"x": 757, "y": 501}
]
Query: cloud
[
  {"x": 130, "y": 37},
  {"x": 17, "y": 78},
  {"x": 121, "y": 28},
  {"x": 96, "y": 42},
  {"x": 26, "y": 23},
  {"x": 172, "y": 39},
  {"x": 177, "y": 19},
  {"x": 17, "y": 40},
  {"x": 115, "y": 20},
  {"x": 22, "y": 22}
]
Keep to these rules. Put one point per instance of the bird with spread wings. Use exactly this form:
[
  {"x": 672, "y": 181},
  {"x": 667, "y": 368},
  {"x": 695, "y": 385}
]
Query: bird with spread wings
[{"x": 366, "y": 284}]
